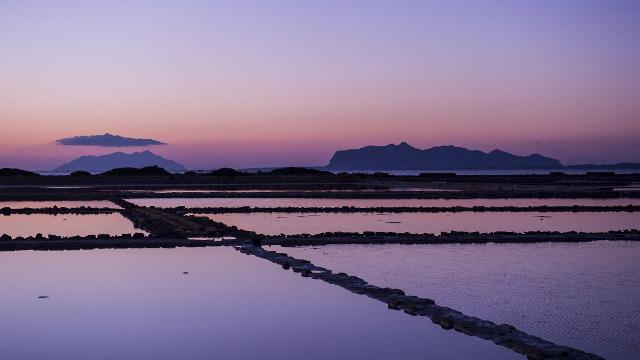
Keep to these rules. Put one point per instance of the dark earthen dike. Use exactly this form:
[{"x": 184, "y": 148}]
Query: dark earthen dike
[
  {"x": 457, "y": 237},
  {"x": 407, "y": 209}
]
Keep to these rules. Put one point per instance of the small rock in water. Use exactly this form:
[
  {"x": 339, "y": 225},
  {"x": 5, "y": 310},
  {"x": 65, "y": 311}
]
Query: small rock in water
[{"x": 43, "y": 297}]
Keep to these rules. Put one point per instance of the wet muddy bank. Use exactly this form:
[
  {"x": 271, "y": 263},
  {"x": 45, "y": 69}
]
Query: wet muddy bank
[
  {"x": 446, "y": 238},
  {"x": 102, "y": 242},
  {"x": 404, "y": 209}
]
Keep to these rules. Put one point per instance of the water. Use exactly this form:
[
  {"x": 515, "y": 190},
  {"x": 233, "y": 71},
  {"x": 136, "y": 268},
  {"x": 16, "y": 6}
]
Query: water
[
  {"x": 315, "y": 202},
  {"x": 50, "y": 204},
  {"x": 582, "y": 295},
  {"x": 218, "y": 191},
  {"x": 138, "y": 304},
  {"x": 314, "y": 223},
  {"x": 66, "y": 225},
  {"x": 627, "y": 188}
]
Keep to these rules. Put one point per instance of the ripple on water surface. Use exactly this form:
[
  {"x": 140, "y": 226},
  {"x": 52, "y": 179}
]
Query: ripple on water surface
[
  {"x": 582, "y": 295},
  {"x": 66, "y": 224},
  {"x": 320, "y": 202},
  {"x": 65, "y": 203}
]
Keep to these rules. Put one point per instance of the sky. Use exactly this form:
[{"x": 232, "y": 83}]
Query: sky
[{"x": 275, "y": 83}]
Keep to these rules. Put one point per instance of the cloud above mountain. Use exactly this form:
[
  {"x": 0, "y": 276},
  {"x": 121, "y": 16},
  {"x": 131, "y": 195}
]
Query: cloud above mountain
[{"x": 107, "y": 140}]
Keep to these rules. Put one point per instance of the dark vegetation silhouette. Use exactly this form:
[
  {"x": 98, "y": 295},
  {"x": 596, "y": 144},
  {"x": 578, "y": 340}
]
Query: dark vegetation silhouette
[
  {"x": 16, "y": 172},
  {"x": 145, "y": 171},
  {"x": 226, "y": 172}
]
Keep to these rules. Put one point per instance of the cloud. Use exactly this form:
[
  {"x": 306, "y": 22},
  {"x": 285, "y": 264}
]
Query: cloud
[{"x": 107, "y": 140}]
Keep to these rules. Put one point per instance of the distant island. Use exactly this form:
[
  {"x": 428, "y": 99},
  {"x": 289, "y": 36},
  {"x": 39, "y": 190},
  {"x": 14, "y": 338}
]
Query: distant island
[
  {"x": 96, "y": 164},
  {"x": 406, "y": 157}
]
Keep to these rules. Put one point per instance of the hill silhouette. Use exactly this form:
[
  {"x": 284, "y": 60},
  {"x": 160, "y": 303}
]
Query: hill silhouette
[
  {"x": 145, "y": 171},
  {"x": 406, "y": 157},
  {"x": 226, "y": 172},
  {"x": 16, "y": 172},
  {"x": 101, "y": 163}
]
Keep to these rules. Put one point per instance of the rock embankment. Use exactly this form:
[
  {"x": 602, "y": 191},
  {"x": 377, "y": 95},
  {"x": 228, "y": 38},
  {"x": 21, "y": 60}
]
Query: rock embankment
[
  {"x": 83, "y": 210},
  {"x": 101, "y": 241}
]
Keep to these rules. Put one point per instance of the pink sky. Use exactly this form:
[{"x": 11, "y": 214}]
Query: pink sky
[{"x": 252, "y": 84}]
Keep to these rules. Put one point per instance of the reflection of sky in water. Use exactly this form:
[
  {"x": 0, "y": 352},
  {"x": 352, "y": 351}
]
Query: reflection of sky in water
[
  {"x": 583, "y": 295},
  {"x": 296, "y": 223},
  {"x": 65, "y": 203},
  {"x": 66, "y": 224},
  {"x": 311, "y": 202},
  {"x": 138, "y": 304}
]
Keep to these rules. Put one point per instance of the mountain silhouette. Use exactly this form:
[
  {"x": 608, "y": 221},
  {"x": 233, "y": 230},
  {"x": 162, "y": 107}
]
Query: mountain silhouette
[
  {"x": 101, "y": 163},
  {"x": 407, "y": 157}
]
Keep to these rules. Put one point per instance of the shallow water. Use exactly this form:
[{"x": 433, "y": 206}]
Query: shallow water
[
  {"x": 314, "y": 223},
  {"x": 582, "y": 295},
  {"x": 138, "y": 304},
  {"x": 66, "y": 225},
  {"x": 310, "y": 202},
  {"x": 174, "y": 191},
  {"x": 66, "y": 203},
  {"x": 627, "y": 188}
]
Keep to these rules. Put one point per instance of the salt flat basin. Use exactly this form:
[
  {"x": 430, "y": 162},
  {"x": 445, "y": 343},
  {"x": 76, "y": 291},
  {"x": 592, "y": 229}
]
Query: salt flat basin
[
  {"x": 66, "y": 203},
  {"x": 66, "y": 224},
  {"x": 314, "y": 223},
  {"x": 138, "y": 304},
  {"x": 313, "y": 202},
  {"x": 583, "y": 295}
]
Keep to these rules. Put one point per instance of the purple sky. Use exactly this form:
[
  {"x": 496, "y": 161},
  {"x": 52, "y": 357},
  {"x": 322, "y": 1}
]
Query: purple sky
[{"x": 257, "y": 83}]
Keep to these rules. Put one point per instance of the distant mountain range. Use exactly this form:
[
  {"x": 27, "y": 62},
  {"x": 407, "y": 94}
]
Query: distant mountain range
[
  {"x": 384, "y": 158},
  {"x": 115, "y": 160},
  {"x": 407, "y": 157}
]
